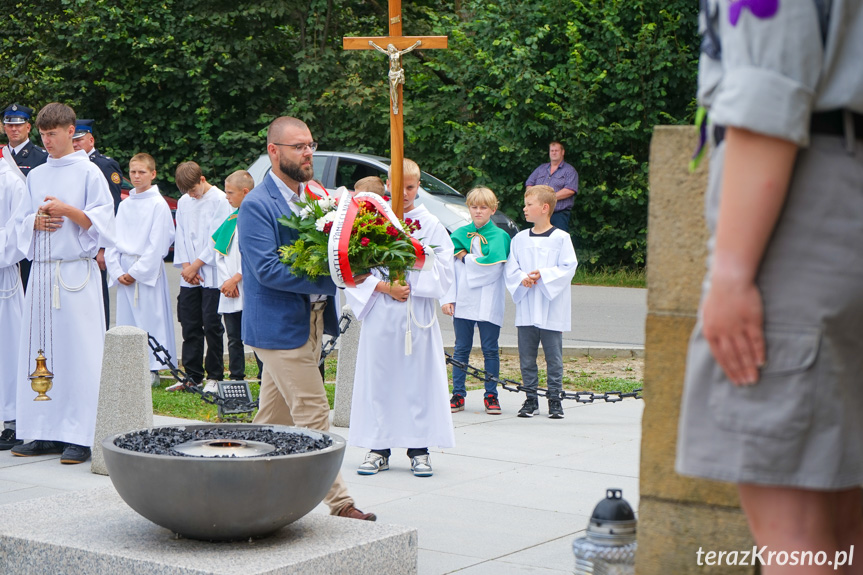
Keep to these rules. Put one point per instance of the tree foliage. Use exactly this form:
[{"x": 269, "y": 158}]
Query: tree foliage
[{"x": 201, "y": 80}]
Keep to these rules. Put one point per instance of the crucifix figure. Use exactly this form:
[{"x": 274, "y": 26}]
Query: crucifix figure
[
  {"x": 396, "y": 46},
  {"x": 397, "y": 73}
]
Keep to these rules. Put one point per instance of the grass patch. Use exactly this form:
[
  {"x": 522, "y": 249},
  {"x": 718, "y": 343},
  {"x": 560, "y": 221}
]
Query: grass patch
[
  {"x": 579, "y": 374},
  {"x": 610, "y": 277},
  {"x": 188, "y": 405}
]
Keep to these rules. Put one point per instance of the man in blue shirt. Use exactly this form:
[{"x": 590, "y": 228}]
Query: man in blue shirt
[{"x": 563, "y": 178}]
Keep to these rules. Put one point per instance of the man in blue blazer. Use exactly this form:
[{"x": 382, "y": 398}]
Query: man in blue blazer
[{"x": 285, "y": 316}]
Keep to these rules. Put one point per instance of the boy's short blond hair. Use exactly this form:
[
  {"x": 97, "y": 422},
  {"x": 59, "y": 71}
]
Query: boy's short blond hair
[
  {"x": 545, "y": 195},
  {"x": 410, "y": 169},
  {"x": 371, "y": 184},
  {"x": 240, "y": 179},
  {"x": 145, "y": 159},
  {"x": 188, "y": 175},
  {"x": 482, "y": 196}
]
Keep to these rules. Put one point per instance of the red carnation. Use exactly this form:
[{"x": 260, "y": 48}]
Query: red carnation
[
  {"x": 391, "y": 231},
  {"x": 327, "y": 227},
  {"x": 364, "y": 242}
]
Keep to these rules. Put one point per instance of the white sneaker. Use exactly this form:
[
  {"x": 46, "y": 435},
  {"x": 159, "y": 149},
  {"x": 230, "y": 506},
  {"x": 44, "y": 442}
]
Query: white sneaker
[
  {"x": 421, "y": 466},
  {"x": 374, "y": 462},
  {"x": 176, "y": 387},
  {"x": 212, "y": 386}
]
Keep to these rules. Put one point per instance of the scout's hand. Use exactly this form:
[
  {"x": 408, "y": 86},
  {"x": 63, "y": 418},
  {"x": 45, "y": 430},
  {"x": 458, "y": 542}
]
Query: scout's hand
[
  {"x": 100, "y": 260},
  {"x": 534, "y": 276},
  {"x": 126, "y": 280},
  {"x": 527, "y": 282},
  {"x": 733, "y": 324},
  {"x": 448, "y": 309},
  {"x": 46, "y": 223},
  {"x": 230, "y": 289}
]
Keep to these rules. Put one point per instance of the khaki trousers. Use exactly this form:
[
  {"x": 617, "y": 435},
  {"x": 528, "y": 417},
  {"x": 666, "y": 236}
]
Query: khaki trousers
[{"x": 292, "y": 393}]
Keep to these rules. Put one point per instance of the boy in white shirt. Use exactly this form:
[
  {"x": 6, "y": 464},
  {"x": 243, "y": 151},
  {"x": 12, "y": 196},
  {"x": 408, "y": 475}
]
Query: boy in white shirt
[
  {"x": 539, "y": 272},
  {"x": 230, "y": 275},
  {"x": 200, "y": 211},
  {"x": 477, "y": 296},
  {"x": 144, "y": 234}
]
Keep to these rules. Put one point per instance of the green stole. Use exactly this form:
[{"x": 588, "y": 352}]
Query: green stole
[
  {"x": 494, "y": 242},
  {"x": 225, "y": 233}
]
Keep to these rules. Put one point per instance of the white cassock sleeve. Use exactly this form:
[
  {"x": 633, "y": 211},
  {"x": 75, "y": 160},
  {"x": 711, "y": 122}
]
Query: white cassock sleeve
[
  {"x": 435, "y": 282},
  {"x": 220, "y": 214},
  {"x": 148, "y": 267},
  {"x": 514, "y": 272},
  {"x": 99, "y": 209},
  {"x": 554, "y": 280},
  {"x": 362, "y": 298},
  {"x": 12, "y": 192},
  {"x": 478, "y": 275}
]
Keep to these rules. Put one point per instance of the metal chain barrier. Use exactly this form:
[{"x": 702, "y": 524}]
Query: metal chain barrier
[
  {"x": 510, "y": 385},
  {"x": 226, "y": 405},
  {"x": 327, "y": 348}
]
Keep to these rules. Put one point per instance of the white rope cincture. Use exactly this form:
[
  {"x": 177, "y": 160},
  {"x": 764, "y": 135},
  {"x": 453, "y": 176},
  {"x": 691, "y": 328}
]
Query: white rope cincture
[
  {"x": 58, "y": 280},
  {"x": 412, "y": 319},
  {"x": 10, "y": 293}
]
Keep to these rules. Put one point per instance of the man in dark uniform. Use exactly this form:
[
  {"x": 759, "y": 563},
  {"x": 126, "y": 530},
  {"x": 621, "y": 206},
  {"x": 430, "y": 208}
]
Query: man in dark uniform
[
  {"x": 84, "y": 140},
  {"x": 16, "y": 124}
]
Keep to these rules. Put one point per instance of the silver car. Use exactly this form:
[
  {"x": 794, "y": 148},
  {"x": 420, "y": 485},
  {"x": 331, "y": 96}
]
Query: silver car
[{"x": 335, "y": 169}]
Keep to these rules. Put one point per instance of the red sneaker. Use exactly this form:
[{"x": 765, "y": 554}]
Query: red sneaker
[
  {"x": 456, "y": 403},
  {"x": 492, "y": 406}
]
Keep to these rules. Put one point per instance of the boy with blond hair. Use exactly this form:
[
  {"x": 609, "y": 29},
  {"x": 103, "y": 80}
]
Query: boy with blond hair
[
  {"x": 200, "y": 211},
  {"x": 229, "y": 273},
  {"x": 539, "y": 272},
  {"x": 145, "y": 232},
  {"x": 400, "y": 394},
  {"x": 371, "y": 184},
  {"x": 477, "y": 297}
]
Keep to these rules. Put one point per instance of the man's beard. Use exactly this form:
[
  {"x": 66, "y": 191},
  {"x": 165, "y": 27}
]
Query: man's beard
[{"x": 294, "y": 171}]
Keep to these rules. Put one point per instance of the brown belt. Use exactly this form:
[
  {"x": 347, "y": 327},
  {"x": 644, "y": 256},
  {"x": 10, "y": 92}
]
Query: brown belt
[{"x": 319, "y": 305}]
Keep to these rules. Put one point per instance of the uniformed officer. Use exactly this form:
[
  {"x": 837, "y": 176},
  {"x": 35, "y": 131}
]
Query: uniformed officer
[
  {"x": 84, "y": 140},
  {"x": 16, "y": 124}
]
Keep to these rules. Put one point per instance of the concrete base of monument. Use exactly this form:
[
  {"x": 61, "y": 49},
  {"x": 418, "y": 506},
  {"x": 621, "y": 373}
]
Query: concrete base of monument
[{"x": 95, "y": 532}]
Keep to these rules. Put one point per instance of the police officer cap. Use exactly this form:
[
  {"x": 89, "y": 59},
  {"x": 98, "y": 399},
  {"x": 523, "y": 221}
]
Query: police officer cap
[
  {"x": 83, "y": 127},
  {"x": 17, "y": 114}
]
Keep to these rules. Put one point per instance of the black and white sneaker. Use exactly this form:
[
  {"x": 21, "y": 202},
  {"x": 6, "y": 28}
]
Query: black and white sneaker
[
  {"x": 530, "y": 408},
  {"x": 8, "y": 440},
  {"x": 555, "y": 410}
]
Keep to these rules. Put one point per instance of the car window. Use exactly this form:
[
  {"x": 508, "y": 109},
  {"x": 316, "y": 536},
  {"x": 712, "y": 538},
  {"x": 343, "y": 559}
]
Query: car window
[
  {"x": 433, "y": 185},
  {"x": 349, "y": 172}
]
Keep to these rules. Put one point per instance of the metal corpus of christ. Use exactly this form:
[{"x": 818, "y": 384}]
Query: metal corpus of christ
[{"x": 396, "y": 46}]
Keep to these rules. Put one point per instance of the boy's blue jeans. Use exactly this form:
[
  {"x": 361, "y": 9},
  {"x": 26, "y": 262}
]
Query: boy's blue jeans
[
  {"x": 489, "y": 333},
  {"x": 529, "y": 338}
]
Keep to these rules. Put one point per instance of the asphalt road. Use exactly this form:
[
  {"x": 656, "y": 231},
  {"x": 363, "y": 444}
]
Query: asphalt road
[{"x": 602, "y": 317}]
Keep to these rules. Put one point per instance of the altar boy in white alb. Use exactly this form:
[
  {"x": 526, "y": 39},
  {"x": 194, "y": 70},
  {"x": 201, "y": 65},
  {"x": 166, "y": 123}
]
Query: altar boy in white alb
[
  {"x": 73, "y": 195},
  {"x": 539, "y": 272},
  {"x": 12, "y": 191},
  {"x": 145, "y": 232},
  {"x": 400, "y": 400}
]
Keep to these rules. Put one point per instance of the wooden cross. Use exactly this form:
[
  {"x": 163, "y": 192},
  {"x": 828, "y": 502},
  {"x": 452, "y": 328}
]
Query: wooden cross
[{"x": 394, "y": 46}]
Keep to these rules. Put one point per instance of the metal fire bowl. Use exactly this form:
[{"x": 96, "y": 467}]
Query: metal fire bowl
[{"x": 224, "y": 499}]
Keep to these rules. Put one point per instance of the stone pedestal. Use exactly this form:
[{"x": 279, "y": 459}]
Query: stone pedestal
[
  {"x": 125, "y": 396},
  {"x": 349, "y": 343},
  {"x": 94, "y": 533},
  {"x": 677, "y": 515}
]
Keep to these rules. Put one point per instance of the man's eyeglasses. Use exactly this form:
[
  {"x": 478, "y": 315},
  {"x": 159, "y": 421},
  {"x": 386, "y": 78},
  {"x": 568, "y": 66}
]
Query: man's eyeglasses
[{"x": 300, "y": 147}]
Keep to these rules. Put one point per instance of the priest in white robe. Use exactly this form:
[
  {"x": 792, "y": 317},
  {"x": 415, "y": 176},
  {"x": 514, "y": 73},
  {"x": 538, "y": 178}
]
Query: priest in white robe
[
  {"x": 12, "y": 192},
  {"x": 400, "y": 396},
  {"x": 63, "y": 308},
  {"x": 145, "y": 232}
]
